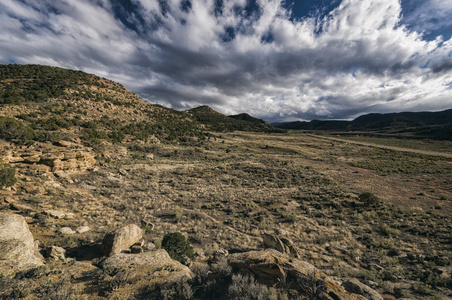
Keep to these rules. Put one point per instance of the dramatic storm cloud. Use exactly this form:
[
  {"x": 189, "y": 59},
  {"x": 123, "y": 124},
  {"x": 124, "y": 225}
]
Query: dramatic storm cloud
[{"x": 278, "y": 60}]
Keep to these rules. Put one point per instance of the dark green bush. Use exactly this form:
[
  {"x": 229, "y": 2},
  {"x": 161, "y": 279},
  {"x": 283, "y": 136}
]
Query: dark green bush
[
  {"x": 14, "y": 129},
  {"x": 368, "y": 199},
  {"x": 177, "y": 246},
  {"x": 7, "y": 176}
]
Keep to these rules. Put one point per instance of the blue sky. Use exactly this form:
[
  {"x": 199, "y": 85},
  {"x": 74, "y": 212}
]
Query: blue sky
[{"x": 280, "y": 60}]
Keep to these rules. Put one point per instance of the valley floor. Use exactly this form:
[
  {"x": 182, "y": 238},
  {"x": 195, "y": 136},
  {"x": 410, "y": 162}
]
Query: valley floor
[{"x": 227, "y": 191}]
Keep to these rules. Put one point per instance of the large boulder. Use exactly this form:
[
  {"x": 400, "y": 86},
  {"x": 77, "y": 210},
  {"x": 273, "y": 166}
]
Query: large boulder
[
  {"x": 155, "y": 263},
  {"x": 121, "y": 239},
  {"x": 355, "y": 286},
  {"x": 18, "y": 249},
  {"x": 274, "y": 268}
]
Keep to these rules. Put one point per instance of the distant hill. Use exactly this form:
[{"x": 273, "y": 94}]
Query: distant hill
[
  {"x": 45, "y": 103},
  {"x": 435, "y": 125},
  {"x": 215, "y": 121}
]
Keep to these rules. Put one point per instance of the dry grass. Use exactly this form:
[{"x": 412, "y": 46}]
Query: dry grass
[{"x": 227, "y": 191}]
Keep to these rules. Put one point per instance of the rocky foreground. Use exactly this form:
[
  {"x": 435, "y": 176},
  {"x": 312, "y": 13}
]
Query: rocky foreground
[{"x": 123, "y": 253}]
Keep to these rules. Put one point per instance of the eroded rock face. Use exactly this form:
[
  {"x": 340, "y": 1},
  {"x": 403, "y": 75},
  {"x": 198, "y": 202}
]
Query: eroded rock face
[
  {"x": 64, "y": 156},
  {"x": 121, "y": 239},
  {"x": 271, "y": 267},
  {"x": 18, "y": 249}
]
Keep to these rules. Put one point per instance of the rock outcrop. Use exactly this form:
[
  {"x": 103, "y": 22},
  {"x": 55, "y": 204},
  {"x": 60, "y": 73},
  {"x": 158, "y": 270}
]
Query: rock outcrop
[
  {"x": 355, "y": 286},
  {"x": 121, "y": 239},
  {"x": 18, "y": 249},
  {"x": 64, "y": 156},
  {"x": 283, "y": 245},
  {"x": 158, "y": 263},
  {"x": 273, "y": 268}
]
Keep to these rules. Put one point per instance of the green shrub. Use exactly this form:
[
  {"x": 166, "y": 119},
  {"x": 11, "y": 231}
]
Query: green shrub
[
  {"x": 177, "y": 246},
  {"x": 368, "y": 199},
  {"x": 14, "y": 129},
  {"x": 7, "y": 176}
]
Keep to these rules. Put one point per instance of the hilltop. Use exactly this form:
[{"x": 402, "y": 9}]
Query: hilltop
[{"x": 221, "y": 123}]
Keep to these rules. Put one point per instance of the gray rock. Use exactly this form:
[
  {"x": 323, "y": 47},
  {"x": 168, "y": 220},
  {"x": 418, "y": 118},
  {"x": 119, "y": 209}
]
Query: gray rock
[
  {"x": 18, "y": 249},
  {"x": 121, "y": 239},
  {"x": 355, "y": 286}
]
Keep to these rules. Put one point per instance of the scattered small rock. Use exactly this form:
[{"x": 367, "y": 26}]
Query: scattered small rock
[
  {"x": 8, "y": 199},
  {"x": 55, "y": 213},
  {"x": 82, "y": 229},
  {"x": 56, "y": 253},
  {"x": 66, "y": 231},
  {"x": 149, "y": 246}
]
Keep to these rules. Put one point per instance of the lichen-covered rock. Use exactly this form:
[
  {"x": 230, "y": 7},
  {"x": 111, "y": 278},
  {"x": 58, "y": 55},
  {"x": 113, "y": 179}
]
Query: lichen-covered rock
[
  {"x": 274, "y": 268},
  {"x": 18, "y": 249},
  {"x": 121, "y": 239}
]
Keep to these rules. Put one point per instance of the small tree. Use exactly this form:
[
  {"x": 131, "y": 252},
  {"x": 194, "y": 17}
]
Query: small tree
[
  {"x": 7, "y": 176},
  {"x": 177, "y": 246}
]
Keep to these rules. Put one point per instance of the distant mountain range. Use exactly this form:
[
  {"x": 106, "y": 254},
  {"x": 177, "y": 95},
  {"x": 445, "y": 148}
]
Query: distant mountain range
[{"x": 437, "y": 125}]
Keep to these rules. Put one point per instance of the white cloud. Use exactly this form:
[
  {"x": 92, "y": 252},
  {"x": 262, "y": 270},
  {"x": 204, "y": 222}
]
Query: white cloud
[{"x": 359, "y": 58}]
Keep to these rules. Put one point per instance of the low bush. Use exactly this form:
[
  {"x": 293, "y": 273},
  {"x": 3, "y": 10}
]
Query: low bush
[
  {"x": 177, "y": 247},
  {"x": 14, "y": 129},
  {"x": 7, "y": 176},
  {"x": 368, "y": 199}
]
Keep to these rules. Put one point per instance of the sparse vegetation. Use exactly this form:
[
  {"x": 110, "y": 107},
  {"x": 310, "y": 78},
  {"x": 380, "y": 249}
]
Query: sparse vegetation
[{"x": 353, "y": 211}]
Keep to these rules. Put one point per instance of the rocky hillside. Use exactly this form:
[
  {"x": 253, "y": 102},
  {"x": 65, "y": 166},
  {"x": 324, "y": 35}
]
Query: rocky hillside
[{"x": 51, "y": 104}]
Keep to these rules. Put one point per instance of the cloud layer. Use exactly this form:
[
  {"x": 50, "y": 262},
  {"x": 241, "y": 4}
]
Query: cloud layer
[{"x": 245, "y": 56}]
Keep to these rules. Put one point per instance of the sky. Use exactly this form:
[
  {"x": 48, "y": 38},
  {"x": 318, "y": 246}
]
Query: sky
[{"x": 280, "y": 60}]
